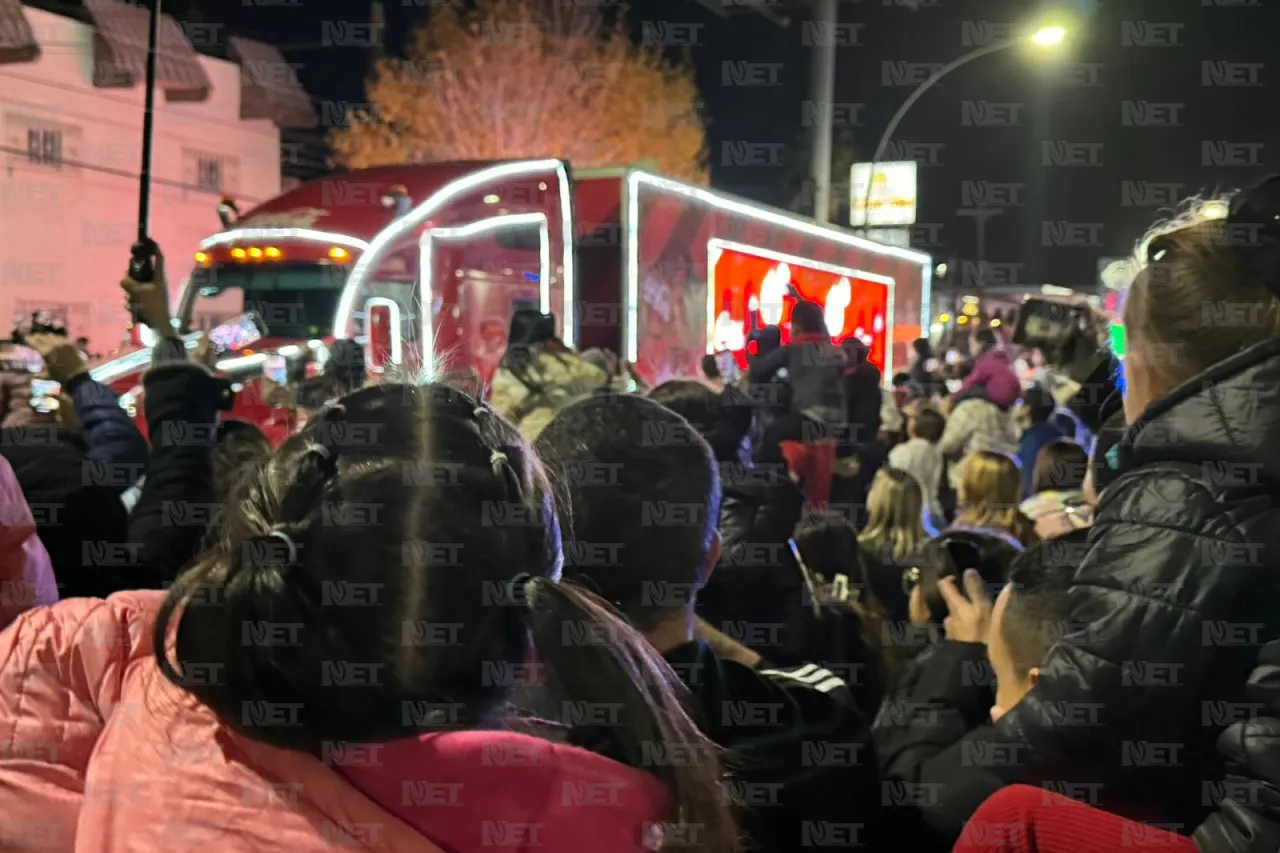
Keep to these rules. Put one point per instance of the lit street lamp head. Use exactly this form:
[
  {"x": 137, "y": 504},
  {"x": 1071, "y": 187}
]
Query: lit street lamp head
[{"x": 1049, "y": 36}]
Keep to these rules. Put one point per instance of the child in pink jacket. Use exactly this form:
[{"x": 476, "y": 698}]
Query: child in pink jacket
[
  {"x": 337, "y": 673},
  {"x": 26, "y": 573}
]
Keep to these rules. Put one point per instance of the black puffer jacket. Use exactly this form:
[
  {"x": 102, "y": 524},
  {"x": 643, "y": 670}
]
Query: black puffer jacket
[
  {"x": 1170, "y": 606},
  {"x": 1248, "y": 815}
]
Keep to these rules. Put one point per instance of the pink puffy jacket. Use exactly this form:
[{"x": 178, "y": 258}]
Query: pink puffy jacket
[
  {"x": 26, "y": 573},
  {"x": 99, "y": 752}
]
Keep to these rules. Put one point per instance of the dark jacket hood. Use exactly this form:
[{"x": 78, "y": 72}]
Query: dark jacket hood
[{"x": 1227, "y": 415}]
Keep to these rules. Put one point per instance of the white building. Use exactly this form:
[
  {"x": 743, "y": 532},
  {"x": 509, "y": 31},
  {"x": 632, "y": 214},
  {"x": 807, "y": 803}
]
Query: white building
[{"x": 71, "y": 112}]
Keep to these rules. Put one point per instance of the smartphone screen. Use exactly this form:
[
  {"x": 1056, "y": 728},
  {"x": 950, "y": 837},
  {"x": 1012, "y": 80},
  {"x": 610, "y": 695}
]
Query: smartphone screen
[
  {"x": 239, "y": 333},
  {"x": 45, "y": 388},
  {"x": 728, "y": 365},
  {"x": 44, "y": 395},
  {"x": 276, "y": 368}
]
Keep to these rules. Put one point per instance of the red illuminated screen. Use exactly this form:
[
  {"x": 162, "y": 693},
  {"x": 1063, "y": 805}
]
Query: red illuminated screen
[{"x": 739, "y": 276}]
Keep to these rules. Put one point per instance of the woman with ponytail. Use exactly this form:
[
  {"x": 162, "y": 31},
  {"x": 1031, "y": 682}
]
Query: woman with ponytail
[{"x": 339, "y": 671}]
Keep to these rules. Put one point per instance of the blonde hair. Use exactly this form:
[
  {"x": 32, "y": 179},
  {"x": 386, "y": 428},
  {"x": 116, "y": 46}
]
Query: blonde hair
[
  {"x": 895, "y": 516},
  {"x": 990, "y": 492},
  {"x": 1195, "y": 273}
]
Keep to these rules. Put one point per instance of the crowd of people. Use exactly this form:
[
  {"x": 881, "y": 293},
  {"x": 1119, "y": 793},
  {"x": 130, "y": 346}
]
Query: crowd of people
[{"x": 801, "y": 608}]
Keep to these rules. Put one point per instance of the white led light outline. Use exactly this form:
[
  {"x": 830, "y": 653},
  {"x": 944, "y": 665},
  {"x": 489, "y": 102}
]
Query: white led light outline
[
  {"x": 397, "y": 342},
  {"x": 493, "y": 223},
  {"x": 460, "y": 186},
  {"x": 716, "y": 245},
  {"x": 631, "y": 220},
  {"x": 307, "y": 235}
]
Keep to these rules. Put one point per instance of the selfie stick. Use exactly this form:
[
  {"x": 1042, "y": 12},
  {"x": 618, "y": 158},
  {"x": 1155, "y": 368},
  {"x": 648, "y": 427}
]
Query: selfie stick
[{"x": 142, "y": 261}]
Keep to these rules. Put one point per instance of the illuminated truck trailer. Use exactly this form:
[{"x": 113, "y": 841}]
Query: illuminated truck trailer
[{"x": 425, "y": 264}]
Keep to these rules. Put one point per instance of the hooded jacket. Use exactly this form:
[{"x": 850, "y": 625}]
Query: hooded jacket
[
  {"x": 26, "y": 573},
  {"x": 99, "y": 752},
  {"x": 1170, "y": 605},
  {"x": 805, "y": 771},
  {"x": 530, "y": 397},
  {"x": 73, "y": 481},
  {"x": 993, "y": 372}
]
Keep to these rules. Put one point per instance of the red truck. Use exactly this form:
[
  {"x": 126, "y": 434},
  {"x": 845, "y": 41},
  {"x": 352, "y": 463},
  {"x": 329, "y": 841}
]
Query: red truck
[{"x": 425, "y": 264}]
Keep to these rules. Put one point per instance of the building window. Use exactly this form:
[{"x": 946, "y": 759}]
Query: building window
[
  {"x": 209, "y": 173},
  {"x": 44, "y": 146}
]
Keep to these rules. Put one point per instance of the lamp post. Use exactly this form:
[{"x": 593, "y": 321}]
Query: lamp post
[{"x": 1044, "y": 37}]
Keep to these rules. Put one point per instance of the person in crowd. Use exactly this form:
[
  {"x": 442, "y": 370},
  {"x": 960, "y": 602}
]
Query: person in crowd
[
  {"x": 538, "y": 375},
  {"x": 178, "y": 500},
  {"x": 369, "y": 678},
  {"x": 26, "y": 572},
  {"x": 990, "y": 496},
  {"x": 711, "y": 372},
  {"x": 930, "y": 736},
  {"x": 862, "y": 381},
  {"x": 811, "y": 434},
  {"x": 893, "y": 537},
  {"x": 1056, "y": 502},
  {"x": 15, "y": 385},
  {"x": 992, "y": 377},
  {"x": 1039, "y": 407},
  {"x": 73, "y": 466},
  {"x": 1180, "y": 574},
  {"x": 760, "y": 506},
  {"x": 972, "y": 425},
  {"x": 924, "y": 383},
  {"x": 652, "y": 573},
  {"x": 920, "y": 457},
  {"x": 837, "y": 623}
]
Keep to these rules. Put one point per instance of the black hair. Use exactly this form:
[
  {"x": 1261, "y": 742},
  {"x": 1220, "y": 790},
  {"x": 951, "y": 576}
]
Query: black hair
[
  {"x": 1040, "y": 581},
  {"x": 930, "y": 424},
  {"x": 1060, "y": 465},
  {"x": 987, "y": 339},
  {"x": 808, "y": 318},
  {"x": 901, "y": 379},
  {"x": 952, "y": 553},
  {"x": 239, "y": 448},
  {"x": 923, "y": 349},
  {"x": 828, "y": 544},
  {"x": 710, "y": 367},
  {"x": 723, "y": 419},
  {"x": 1040, "y": 404},
  {"x": 637, "y": 481},
  {"x": 427, "y": 508},
  {"x": 855, "y": 349},
  {"x": 346, "y": 365}
]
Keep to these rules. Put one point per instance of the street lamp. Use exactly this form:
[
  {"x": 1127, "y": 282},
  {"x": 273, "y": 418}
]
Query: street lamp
[{"x": 1044, "y": 37}]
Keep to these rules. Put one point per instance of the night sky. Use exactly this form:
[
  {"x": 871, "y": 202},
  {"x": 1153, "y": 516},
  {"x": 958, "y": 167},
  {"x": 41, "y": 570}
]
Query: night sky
[{"x": 1151, "y": 53}]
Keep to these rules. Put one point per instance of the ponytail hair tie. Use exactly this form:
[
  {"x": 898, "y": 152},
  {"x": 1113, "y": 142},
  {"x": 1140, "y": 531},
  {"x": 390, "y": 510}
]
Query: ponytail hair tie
[{"x": 521, "y": 589}]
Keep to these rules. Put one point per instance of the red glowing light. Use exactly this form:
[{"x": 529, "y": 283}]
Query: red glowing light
[{"x": 737, "y": 282}]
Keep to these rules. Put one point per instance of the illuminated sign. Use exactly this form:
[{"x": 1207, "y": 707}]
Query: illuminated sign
[{"x": 752, "y": 287}]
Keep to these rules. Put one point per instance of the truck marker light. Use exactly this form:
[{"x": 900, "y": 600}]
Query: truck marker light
[
  {"x": 338, "y": 253},
  {"x": 202, "y": 258},
  {"x": 273, "y": 253},
  {"x": 255, "y": 253},
  {"x": 239, "y": 254}
]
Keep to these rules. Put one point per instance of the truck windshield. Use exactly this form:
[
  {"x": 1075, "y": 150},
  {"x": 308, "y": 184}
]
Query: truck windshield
[{"x": 294, "y": 300}]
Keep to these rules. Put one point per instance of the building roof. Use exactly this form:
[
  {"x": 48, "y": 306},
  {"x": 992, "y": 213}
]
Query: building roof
[
  {"x": 120, "y": 48},
  {"x": 269, "y": 86},
  {"x": 17, "y": 41}
]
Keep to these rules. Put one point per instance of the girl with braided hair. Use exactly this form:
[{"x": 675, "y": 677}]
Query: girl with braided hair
[{"x": 341, "y": 669}]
